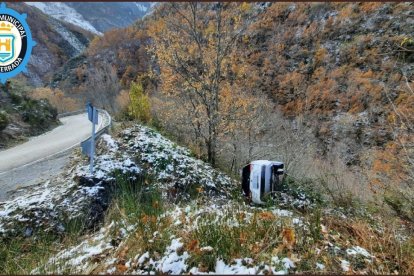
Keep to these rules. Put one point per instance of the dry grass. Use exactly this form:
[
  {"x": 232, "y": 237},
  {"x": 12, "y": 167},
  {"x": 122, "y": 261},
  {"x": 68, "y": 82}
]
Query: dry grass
[
  {"x": 392, "y": 247},
  {"x": 241, "y": 232}
]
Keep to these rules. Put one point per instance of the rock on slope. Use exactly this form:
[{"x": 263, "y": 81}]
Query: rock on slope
[
  {"x": 64, "y": 12},
  {"x": 22, "y": 117}
]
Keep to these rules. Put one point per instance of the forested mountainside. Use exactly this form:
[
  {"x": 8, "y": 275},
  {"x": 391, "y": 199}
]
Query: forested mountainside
[
  {"x": 341, "y": 71},
  {"x": 57, "y": 42},
  {"x": 95, "y": 17}
]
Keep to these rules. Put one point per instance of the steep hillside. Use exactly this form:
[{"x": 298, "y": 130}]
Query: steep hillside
[
  {"x": 342, "y": 66},
  {"x": 56, "y": 43},
  {"x": 325, "y": 87},
  {"x": 21, "y": 116},
  {"x": 63, "y": 12},
  {"x": 95, "y": 17},
  {"x": 151, "y": 207},
  {"x": 107, "y": 66}
]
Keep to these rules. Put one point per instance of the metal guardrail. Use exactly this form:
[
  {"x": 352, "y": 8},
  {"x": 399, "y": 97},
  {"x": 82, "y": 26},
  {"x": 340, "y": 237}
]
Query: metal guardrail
[{"x": 107, "y": 123}]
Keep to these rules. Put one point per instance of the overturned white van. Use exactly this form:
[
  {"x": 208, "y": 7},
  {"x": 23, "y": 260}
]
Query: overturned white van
[{"x": 261, "y": 177}]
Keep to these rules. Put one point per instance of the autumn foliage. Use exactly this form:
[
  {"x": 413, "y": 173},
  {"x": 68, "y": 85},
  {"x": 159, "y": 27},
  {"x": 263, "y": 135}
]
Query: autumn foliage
[{"x": 235, "y": 81}]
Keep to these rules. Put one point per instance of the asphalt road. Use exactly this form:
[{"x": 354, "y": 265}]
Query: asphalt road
[
  {"x": 41, "y": 156},
  {"x": 73, "y": 130}
]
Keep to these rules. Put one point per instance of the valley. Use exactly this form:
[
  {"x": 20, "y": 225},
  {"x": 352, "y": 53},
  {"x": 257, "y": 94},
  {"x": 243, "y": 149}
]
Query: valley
[{"x": 195, "y": 92}]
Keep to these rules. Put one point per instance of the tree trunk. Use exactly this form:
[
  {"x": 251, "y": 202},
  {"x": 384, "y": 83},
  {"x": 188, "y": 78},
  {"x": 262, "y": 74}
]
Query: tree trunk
[{"x": 211, "y": 144}]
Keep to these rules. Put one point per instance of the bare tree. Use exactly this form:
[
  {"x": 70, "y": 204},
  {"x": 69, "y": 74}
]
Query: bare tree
[{"x": 103, "y": 87}]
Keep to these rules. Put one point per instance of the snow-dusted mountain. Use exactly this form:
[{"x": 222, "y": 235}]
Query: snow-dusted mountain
[
  {"x": 94, "y": 16},
  {"x": 65, "y": 13},
  {"x": 57, "y": 42}
]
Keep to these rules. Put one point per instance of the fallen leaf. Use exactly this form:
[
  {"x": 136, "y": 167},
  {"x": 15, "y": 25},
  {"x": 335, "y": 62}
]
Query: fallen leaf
[
  {"x": 121, "y": 268},
  {"x": 288, "y": 238}
]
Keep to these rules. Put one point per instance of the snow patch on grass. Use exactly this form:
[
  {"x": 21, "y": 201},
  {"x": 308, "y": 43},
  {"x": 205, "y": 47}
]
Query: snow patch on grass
[
  {"x": 66, "y": 197},
  {"x": 345, "y": 265},
  {"x": 357, "y": 250},
  {"x": 173, "y": 167},
  {"x": 77, "y": 259}
]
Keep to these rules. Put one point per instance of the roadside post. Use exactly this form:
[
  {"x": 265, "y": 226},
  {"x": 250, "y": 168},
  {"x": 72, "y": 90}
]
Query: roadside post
[{"x": 93, "y": 117}]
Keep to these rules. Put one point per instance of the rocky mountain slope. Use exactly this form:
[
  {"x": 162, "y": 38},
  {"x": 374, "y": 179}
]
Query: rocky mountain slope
[
  {"x": 95, "y": 17},
  {"x": 57, "y": 42},
  {"x": 339, "y": 80}
]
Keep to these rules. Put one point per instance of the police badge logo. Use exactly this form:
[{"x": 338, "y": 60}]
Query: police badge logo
[{"x": 15, "y": 43}]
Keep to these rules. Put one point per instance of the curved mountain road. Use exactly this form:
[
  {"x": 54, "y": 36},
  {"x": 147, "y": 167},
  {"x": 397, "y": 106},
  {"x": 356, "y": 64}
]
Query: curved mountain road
[{"x": 44, "y": 155}]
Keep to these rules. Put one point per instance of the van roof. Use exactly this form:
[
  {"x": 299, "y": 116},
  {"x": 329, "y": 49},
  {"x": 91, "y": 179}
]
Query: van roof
[{"x": 265, "y": 162}]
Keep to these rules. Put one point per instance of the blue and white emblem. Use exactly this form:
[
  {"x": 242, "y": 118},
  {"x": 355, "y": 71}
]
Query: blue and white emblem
[
  {"x": 16, "y": 43},
  {"x": 6, "y": 47}
]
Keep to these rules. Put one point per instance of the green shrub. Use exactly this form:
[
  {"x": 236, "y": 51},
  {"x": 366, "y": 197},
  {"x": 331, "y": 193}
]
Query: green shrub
[
  {"x": 139, "y": 202},
  {"x": 139, "y": 108},
  {"x": 407, "y": 46},
  {"x": 16, "y": 98},
  {"x": 136, "y": 197},
  {"x": 401, "y": 202},
  {"x": 20, "y": 255},
  {"x": 231, "y": 236},
  {"x": 39, "y": 114},
  {"x": 301, "y": 193},
  {"x": 4, "y": 120}
]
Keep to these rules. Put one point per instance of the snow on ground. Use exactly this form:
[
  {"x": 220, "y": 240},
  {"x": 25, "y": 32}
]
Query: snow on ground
[
  {"x": 357, "y": 250},
  {"x": 70, "y": 197},
  {"x": 69, "y": 37},
  {"x": 173, "y": 166},
  {"x": 141, "y": 7},
  {"x": 76, "y": 196},
  {"x": 345, "y": 265},
  {"x": 174, "y": 260},
  {"x": 78, "y": 258}
]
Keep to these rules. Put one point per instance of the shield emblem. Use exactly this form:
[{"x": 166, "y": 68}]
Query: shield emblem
[{"x": 6, "y": 47}]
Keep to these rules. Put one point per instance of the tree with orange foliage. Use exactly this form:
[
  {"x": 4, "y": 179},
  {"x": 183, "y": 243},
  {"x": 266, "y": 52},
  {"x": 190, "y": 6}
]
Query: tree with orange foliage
[
  {"x": 193, "y": 44},
  {"x": 393, "y": 167}
]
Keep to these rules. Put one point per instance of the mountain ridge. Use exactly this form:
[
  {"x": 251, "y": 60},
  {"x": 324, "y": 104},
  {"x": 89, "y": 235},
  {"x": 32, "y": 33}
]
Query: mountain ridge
[{"x": 95, "y": 17}]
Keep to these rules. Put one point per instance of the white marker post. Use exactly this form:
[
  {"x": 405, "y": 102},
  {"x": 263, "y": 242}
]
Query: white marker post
[{"x": 93, "y": 117}]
